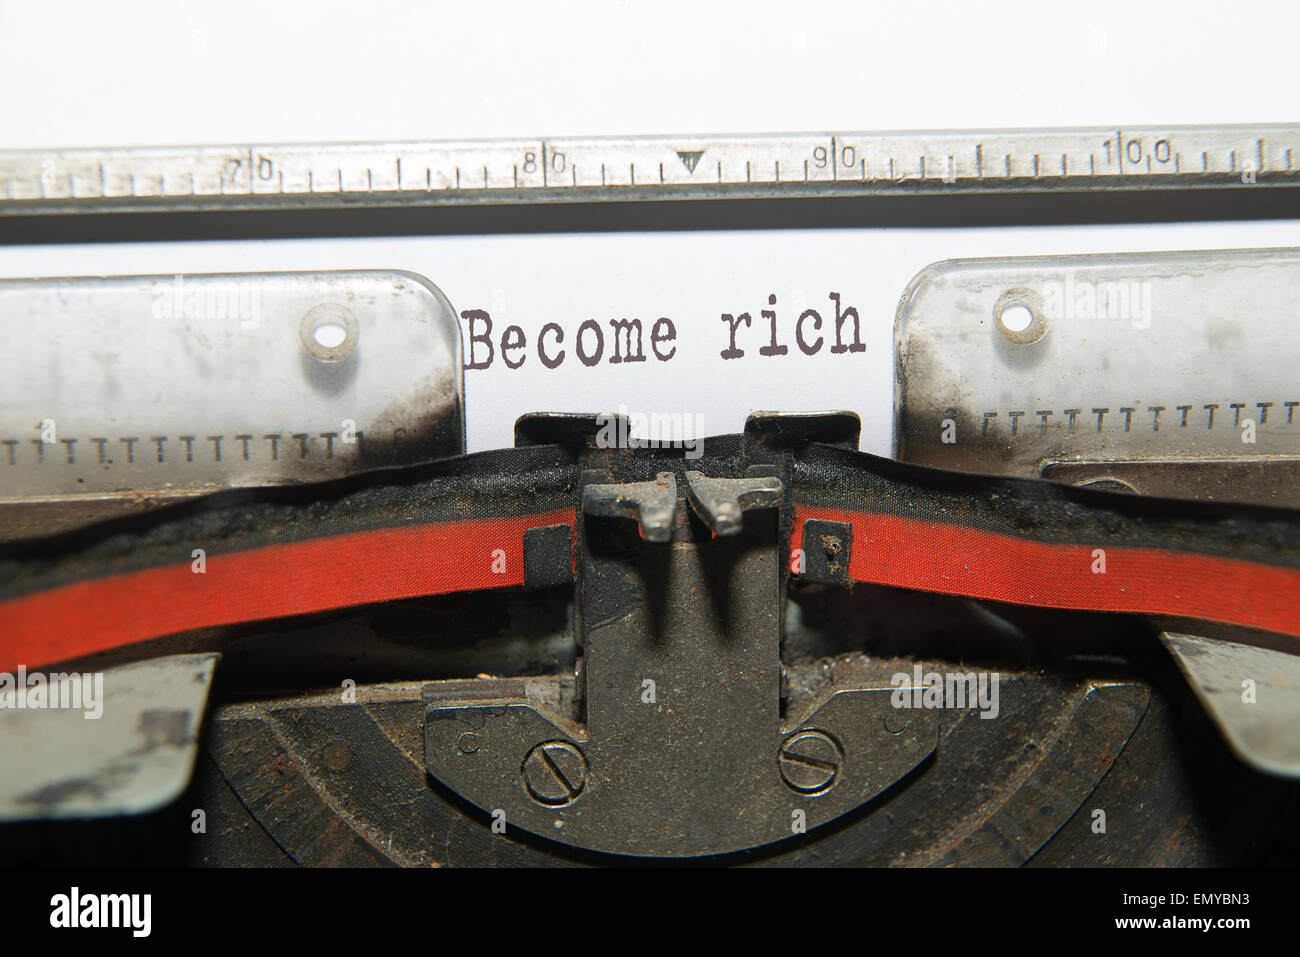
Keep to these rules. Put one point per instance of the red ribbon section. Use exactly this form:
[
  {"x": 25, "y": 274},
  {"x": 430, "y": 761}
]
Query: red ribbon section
[
  {"x": 960, "y": 560},
  {"x": 274, "y": 581}
]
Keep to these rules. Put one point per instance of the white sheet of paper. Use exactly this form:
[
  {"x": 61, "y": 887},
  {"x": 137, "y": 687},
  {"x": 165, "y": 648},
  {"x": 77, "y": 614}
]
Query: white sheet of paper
[{"x": 137, "y": 73}]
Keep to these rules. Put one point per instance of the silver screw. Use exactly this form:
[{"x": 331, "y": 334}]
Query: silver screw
[
  {"x": 810, "y": 761},
  {"x": 555, "y": 773}
]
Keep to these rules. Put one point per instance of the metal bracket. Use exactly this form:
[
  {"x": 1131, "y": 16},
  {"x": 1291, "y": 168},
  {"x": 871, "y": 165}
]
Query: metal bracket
[{"x": 683, "y": 750}]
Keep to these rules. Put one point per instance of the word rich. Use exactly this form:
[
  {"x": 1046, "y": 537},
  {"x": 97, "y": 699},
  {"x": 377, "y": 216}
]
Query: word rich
[{"x": 631, "y": 340}]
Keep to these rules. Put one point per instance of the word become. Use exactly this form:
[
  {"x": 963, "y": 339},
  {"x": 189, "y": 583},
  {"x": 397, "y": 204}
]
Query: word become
[
  {"x": 934, "y": 689},
  {"x": 588, "y": 344}
]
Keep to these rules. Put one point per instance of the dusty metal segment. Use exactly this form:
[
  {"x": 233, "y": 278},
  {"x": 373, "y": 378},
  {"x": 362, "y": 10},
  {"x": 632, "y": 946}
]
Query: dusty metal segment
[
  {"x": 685, "y": 729},
  {"x": 682, "y": 749},
  {"x": 120, "y": 740},
  {"x": 1079, "y": 390},
  {"x": 1253, "y": 695},
  {"x": 650, "y": 504},
  {"x": 118, "y": 394},
  {"x": 721, "y": 503},
  {"x": 577, "y": 169},
  {"x": 1022, "y": 366},
  {"x": 335, "y": 782}
]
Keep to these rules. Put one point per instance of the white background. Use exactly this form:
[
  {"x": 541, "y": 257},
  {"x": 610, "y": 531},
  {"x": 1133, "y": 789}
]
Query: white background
[{"x": 101, "y": 74}]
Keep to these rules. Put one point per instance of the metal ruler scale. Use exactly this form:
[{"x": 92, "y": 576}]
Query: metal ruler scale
[{"x": 576, "y": 169}]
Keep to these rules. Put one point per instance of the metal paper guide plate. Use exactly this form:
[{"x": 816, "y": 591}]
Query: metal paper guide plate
[
  {"x": 1173, "y": 374},
  {"x": 121, "y": 392},
  {"x": 1164, "y": 373}
]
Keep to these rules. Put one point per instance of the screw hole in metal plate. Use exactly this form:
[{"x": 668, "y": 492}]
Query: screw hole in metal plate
[
  {"x": 328, "y": 332},
  {"x": 1018, "y": 315}
]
